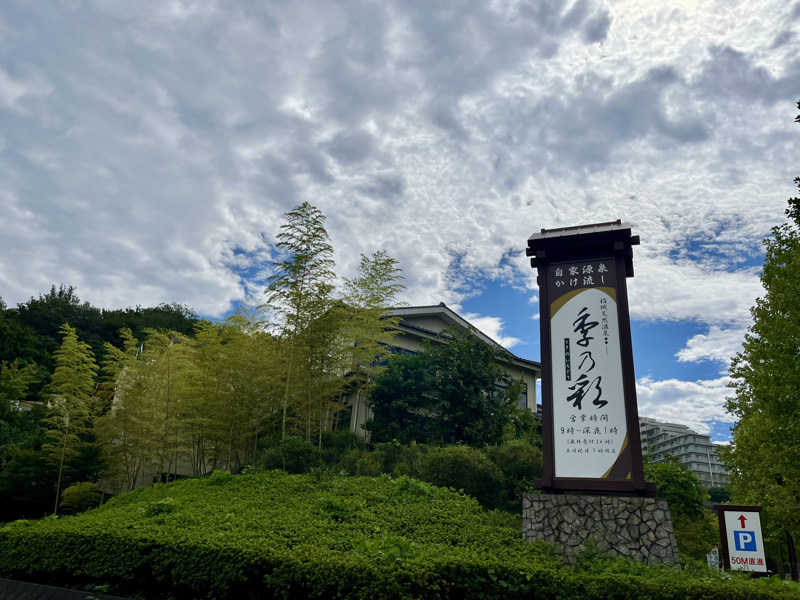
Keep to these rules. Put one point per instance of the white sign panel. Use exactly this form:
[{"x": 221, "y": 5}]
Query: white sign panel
[
  {"x": 589, "y": 423},
  {"x": 745, "y": 545}
]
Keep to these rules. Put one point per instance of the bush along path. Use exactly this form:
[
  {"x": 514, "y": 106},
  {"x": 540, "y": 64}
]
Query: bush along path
[{"x": 274, "y": 535}]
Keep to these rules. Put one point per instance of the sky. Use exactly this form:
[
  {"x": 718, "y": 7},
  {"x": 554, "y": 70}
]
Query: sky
[{"x": 149, "y": 150}]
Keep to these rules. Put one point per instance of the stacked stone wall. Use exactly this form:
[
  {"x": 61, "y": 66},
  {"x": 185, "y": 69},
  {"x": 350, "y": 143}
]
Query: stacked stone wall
[{"x": 634, "y": 527}]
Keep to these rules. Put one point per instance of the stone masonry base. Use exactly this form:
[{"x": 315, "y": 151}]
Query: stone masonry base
[{"x": 639, "y": 528}]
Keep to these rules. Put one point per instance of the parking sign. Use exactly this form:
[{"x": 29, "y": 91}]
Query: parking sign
[
  {"x": 744, "y": 541},
  {"x": 742, "y": 544}
]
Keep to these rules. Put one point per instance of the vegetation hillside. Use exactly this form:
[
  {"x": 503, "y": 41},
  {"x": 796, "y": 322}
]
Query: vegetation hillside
[{"x": 271, "y": 534}]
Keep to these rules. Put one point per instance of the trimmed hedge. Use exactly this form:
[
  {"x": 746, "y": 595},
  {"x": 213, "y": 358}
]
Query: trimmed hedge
[{"x": 274, "y": 535}]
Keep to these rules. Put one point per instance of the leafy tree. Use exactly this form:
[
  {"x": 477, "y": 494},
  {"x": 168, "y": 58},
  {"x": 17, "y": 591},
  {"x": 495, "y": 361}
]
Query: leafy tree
[
  {"x": 476, "y": 394},
  {"x": 20, "y": 342},
  {"x": 300, "y": 293},
  {"x": 47, "y": 313},
  {"x": 26, "y": 484},
  {"x": 719, "y": 494},
  {"x": 678, "y": 486},
  {"x": 452, "y": 392},
  {"x": 695, "y": 528},
  {"x": 71, "y": 389},
  {"x": 764, "y": 456},
  {"x": 403, "y": 402},
  {"x": 164, "y": 317},
  {"x": 15, "y": 379}
]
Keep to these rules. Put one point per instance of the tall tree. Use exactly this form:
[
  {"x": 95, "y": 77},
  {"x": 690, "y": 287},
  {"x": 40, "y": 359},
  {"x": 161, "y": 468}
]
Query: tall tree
[
  {"x": 367, "y": 331},
  {"x": 71, "y": 389},
  {"x": 300, "y": 292},
  {"x": 127, "y": 431},
  {"x": 452, "y": 392},
  {"x": 253, "y": 377},
  {"x": 234, "y": 391},
  {"x": 169, "y": 371},
  {"x": 764, "y": 456}
]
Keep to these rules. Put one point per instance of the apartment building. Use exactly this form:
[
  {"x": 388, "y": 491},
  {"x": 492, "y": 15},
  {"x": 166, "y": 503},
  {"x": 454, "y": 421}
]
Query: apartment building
[{"x": 694, "y": 450}]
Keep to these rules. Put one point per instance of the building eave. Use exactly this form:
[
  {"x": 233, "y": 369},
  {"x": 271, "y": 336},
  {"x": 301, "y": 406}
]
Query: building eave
[{"x": 442, "y": 310}]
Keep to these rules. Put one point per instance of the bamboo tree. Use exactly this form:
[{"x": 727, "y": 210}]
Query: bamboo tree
[
  {"x": 127, "y": 430},
  {"x": 300, "y": 292},
  {"x": 206, "y": 409},
  {"x": 262, "y": 372},
  {"x": 70, "y": 392},
  {"x": 367, "y": 329},
  {"x": 167, "y": 358},
  {"x": 252, "y": 376}
]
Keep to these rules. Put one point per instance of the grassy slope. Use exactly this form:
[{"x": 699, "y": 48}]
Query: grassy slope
[{"x": 291, "y": 535}]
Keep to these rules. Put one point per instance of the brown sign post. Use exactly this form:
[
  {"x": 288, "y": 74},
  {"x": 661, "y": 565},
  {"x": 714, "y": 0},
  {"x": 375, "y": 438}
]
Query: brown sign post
[{"x": 590, "y": 419}]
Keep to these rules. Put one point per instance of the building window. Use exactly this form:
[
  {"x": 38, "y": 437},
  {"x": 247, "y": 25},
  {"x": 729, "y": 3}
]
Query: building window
[{"x": 523, "y": 397}]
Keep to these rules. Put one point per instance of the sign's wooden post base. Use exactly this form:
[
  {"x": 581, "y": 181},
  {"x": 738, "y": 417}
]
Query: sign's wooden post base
[{"x": 635, "y": 527}]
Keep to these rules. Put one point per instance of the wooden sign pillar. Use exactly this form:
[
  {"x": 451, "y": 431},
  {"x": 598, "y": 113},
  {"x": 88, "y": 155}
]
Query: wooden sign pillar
[{"x": 590, "y": 423}]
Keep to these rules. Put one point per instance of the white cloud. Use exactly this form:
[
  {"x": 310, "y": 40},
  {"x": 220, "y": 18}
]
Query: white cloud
[
  {"x": 692, "y": 403},
  {"x": 141, "y": 149},
  {"x": 718, "y": 344},
  {"x": 493, "y": 327}
]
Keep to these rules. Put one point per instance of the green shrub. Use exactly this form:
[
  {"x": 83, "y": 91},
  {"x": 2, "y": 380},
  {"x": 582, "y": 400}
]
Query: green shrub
[
  {"x": 274, "y": 535},
  {"x": 524, "y": 425},
  {"x": 696, "y": 535},
  {"x": 294, "y": 455},
  {"x": 464, "y": 468},
  {"x": 335, "y": 444},
  {"x": 390, "y": 453},
  {"x": 220, "y": 478},
  {"x": 80, "y": 497},
  {"x": 413, "y": 486},
  {"x": 164, "y": 506},
  {"x": 521, "y": 464},
  {"x": 408, "y": 460},
  {"x": 361, "y": 462}
]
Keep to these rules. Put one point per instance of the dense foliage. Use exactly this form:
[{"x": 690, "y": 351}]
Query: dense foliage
[
  {"x": 175, "y": 395},
  {"x": 30, "y": 333},
  {"x": 453, "y": 391},
  {"x": 32, "y": 442},
  {"x": 764, "y": 456},
  {"x": 274, "y": 535},
  {"x": 678, "y": 486},
  {"x": 496, "y": 476},
  {"x": 696, "y": 529}
]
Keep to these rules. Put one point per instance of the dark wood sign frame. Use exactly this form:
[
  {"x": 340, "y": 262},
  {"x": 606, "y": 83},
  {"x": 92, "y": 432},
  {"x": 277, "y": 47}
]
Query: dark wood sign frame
[{"x": 602, "y": 241}]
